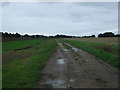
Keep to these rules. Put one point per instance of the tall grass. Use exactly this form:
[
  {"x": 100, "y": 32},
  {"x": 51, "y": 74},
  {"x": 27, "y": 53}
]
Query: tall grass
[
  {"x": 101, "y": 53},
  {"x": 25, "y": 72}
]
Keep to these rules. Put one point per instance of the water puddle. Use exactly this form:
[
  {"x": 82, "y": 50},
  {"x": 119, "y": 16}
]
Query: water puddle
[
  {"x": 65, "y": 50},
  {"x": 75, "y": 49},
  {"x": 58, "y": 51},
  {"x": 71, "y": 80},
  {"x": 59, "y": 44},
  {"x": 57, "y": 83},
  {"x": 61, "y": 61}
]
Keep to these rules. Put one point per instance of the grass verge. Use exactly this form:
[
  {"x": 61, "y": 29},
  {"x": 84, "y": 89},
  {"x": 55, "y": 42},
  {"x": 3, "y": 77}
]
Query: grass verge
[
  {"x": 101, "y": 53},
  {"x": 24, "y": 72}
]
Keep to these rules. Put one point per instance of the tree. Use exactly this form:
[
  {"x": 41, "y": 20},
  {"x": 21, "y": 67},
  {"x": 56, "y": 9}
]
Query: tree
[
  {"x": 37, "y": 36},
  {"x": 17, "y": 35},
  {"x": 106, "y": 34},
  {"x": 26, "y": 35},
  {"x": 92, "y": 35},
  {"x": 6, "y": 34},
  {"x": 117, "y": 35},
  {"x": 100, "y": 35}
]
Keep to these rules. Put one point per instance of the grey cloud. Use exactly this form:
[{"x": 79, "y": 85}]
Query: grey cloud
[
  {"x": 108, "y": 5},
  {"x": 3, "y": 4},
  {"x": 65, "y": 18}
]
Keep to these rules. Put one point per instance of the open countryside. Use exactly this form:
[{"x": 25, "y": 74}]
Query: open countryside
[
  {"x": 60, "y": 62},
  {"x": 59, "y": 44}
]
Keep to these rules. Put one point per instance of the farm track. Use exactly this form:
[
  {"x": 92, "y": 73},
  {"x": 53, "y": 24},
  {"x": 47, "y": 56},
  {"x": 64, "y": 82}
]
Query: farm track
[
  {"x": 20, "y": 53},
  {"x": 71, "y": 67}
]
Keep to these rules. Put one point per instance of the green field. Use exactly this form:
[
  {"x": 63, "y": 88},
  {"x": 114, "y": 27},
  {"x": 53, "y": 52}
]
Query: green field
[
  {"x": 12, "y": 45},
  {"x": 108, "y": 53},
  {"x": 25, "y": 71}
]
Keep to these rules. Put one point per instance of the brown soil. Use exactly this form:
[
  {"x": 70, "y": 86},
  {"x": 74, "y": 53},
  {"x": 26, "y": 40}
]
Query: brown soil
[
  {"x": 23, "y": 48},
  {"x": 71, "y": 67}
]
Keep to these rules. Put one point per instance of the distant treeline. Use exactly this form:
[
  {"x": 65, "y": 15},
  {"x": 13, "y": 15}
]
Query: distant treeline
[
  {"x": 17, "y": 35},
  {"x": 108, "y": 34}
]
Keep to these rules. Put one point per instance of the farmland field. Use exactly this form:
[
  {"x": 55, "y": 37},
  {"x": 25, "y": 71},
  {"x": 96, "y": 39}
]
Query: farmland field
[
  {"x": 106, "y": 40},
  {"x": 60, "y": 63},
  {"x": 61, "y": 44},
  {"x": 12, "y": 45},
  {"x": 22, "y": 68}
]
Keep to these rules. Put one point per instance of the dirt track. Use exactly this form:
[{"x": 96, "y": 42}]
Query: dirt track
[{"x": 71, "y": 67}]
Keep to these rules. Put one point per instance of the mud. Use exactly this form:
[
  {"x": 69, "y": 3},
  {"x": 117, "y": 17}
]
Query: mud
[
  {"x": 75, "y": 68},
  {"x": 22, "y": 48}
]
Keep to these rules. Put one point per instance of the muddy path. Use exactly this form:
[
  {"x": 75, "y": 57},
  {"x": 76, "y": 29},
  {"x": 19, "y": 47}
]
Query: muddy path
[{"x": 71, "y": 67}]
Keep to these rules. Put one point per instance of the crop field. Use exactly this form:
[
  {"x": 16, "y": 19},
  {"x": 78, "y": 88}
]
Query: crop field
[
  {"x": 14, "y": 39},
  {"x": 106, "y": 40},
  {"x": 14, "y": 45},
  {"x": 21, "y": 68},
  {"x": 60, "y": 63}
]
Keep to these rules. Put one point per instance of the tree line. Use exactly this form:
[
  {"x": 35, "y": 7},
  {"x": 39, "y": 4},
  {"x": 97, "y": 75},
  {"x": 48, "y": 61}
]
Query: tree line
[
  {"x": 17, "y": 35},
  {"x": 108, "y": 34}
]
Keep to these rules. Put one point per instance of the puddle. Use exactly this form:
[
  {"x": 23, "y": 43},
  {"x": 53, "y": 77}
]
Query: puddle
[
  {"x": 59, "y": 44},
  {"x": 57, "y": 83},
  {"x": 61, "y": 61},
  {"x": 71, "y": 80},
  {"x": 58, "y": 51},
  {"x": 75, "y": 49},
  {"x": 65, "y": 50}
]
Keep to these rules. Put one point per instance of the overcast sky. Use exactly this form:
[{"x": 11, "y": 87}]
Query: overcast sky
[{"x": 60, "y": 18}]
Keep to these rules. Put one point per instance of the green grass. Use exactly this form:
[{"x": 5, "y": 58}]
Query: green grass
[
  {"x": 25, "y": 72},
  {"x": 97, "y": 49},
  {"x": 12, "y": 45}
]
